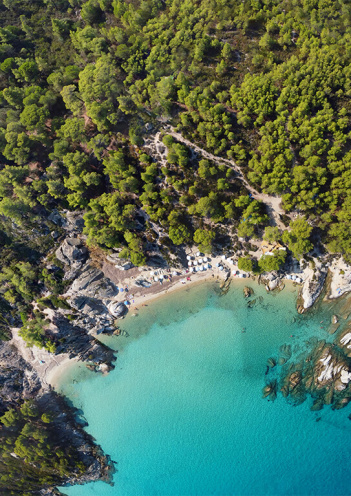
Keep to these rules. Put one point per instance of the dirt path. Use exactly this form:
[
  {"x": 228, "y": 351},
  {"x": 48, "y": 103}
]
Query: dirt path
[{"x": 272, "y": 202}]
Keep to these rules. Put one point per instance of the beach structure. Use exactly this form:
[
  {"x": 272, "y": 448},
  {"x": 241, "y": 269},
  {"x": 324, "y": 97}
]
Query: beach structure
[
  {"x": 190, "y": 263},
  {"x": 188, "y": 257}
]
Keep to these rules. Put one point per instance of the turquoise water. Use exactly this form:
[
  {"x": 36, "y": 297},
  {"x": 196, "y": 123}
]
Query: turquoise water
[{"x": 183, "y": 413}]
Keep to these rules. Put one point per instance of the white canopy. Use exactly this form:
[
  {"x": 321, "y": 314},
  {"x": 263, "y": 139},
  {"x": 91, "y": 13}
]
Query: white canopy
[
  {"x": 190, "y": 263},
  {"x": 152, "y": 273},
  {"x": 155, "y": 278},
  {"x": 205, "y": 259},
  {"x": 198, "y": 253},
  {"x": 200, "y": 260},
  {"x": 174, "y": 273},
  {"x": 188, "y": 257},
  {"x": 195, "y": 263}
]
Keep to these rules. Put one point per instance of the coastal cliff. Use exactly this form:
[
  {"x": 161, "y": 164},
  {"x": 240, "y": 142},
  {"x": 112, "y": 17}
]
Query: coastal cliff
[{"x": 42, "y": 439}]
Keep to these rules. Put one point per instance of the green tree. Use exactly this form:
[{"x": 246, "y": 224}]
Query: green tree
[
  {"x": 204, "y": 238},
  {"x": 246, "y": 264},
  {"x": 298, "y": 238},
  {"x": 268, "y": 263}
]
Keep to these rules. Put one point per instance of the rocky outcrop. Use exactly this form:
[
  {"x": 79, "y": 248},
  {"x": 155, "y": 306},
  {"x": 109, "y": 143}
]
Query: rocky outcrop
[
  {"x": 90, "y": 294},
  {"x": 18, "y": 380},
  {"x": 74, "y": 340},
  {"x": 248, "y": 291},
  {"x": 314, "y": 279},
  {"x": 72, "y": 251},
  {"x": 117, "y": 309},
  {"x": 91, "y": 282},
  {"x": 340, "y": 282},
  {"x": 272, "y": 281},
  {"x": 119, "y": 263},
  {"x": 324, "y": 374}
]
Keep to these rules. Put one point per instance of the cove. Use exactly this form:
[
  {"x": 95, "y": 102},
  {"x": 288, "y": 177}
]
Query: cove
[{"x": 183, "y": 413}]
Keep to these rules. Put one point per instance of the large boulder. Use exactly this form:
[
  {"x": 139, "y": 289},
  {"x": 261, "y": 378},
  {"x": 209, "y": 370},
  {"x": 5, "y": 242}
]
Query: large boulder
[
  {"x": 72, "y": 250},
  {"x": 117, "y": 309}
]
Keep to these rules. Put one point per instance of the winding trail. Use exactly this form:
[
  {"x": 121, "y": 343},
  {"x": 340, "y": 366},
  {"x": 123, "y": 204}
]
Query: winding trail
[{"x": 272, "y": 203}]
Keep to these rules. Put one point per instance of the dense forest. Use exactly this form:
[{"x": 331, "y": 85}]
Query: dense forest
[
  {"x": 265, "y": 83},
  {"x": 92, "y": 92}
]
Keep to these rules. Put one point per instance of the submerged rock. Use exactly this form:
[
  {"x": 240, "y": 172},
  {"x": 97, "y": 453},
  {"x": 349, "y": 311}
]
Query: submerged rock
[
  {"x": 271, "y": 362},
  {"x": 270, "y": 390},
  {"x": 248, "y": 291}
]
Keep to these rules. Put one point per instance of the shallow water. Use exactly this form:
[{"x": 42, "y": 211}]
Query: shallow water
[{"x": 183, "y": 413}]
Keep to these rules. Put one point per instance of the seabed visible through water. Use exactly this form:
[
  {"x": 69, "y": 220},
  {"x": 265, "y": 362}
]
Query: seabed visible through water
[{"x": 183, "y": 414}]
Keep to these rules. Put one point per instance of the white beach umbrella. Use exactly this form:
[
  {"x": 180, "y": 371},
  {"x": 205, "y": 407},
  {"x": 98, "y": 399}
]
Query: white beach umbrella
[
  {"x": 174, "y": 273},
  {"x": 198, "y": 253},
  {"x": 200, "y": 260},
  {"x": 197, "y": 269},
  {"x": 155, "y": 279},
  {"x": 224, "y": 257},
  {"x": 152, "y": 273},
  {"x": 195, "y": 263},
  {"x": 188, "y": 257},
  {"x": 205, "y": 259},
  {"x": 190, "y": 263}
]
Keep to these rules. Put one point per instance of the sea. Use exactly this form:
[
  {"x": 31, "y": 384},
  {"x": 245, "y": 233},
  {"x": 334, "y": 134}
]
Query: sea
[{"x": 182, "y": 413}]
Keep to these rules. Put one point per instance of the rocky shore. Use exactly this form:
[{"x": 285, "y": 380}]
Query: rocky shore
[
  {"x": 101, "y": 289},
  {"x": 20, "y": 382}
]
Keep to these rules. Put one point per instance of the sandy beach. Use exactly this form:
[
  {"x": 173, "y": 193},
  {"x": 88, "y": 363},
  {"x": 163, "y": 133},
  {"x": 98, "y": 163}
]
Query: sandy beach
[{"x": 49, "y": 367}]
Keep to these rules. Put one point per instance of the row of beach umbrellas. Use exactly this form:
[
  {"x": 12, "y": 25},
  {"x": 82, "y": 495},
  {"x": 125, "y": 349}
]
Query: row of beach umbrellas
[{"x": 197, "y": 262}]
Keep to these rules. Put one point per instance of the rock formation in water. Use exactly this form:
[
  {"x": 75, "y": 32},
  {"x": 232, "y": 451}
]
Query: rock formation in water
[{"x": 324, "y": 373}]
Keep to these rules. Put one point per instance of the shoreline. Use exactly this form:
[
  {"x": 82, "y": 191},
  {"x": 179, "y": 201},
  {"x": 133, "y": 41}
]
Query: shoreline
[
  {"x": 49, "y": 367},
  {"x": 141, "y": 302}
]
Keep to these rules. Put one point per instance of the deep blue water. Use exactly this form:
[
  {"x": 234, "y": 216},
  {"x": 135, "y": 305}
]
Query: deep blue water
[{"x": 183, "y": 413}]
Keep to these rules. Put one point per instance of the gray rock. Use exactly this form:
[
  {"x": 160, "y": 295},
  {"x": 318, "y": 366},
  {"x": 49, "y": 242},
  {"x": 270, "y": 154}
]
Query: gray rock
[
  {"x": 117, "y": 309},
  {"x": 74, "y": 222},
  {"x": 91, "y": 282},
  {"x": 56, "y": 218},
  {"x": 71, "y": 250},
  {"x": 88, "y": 305},
  {"x": 141, "y": 283}
]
